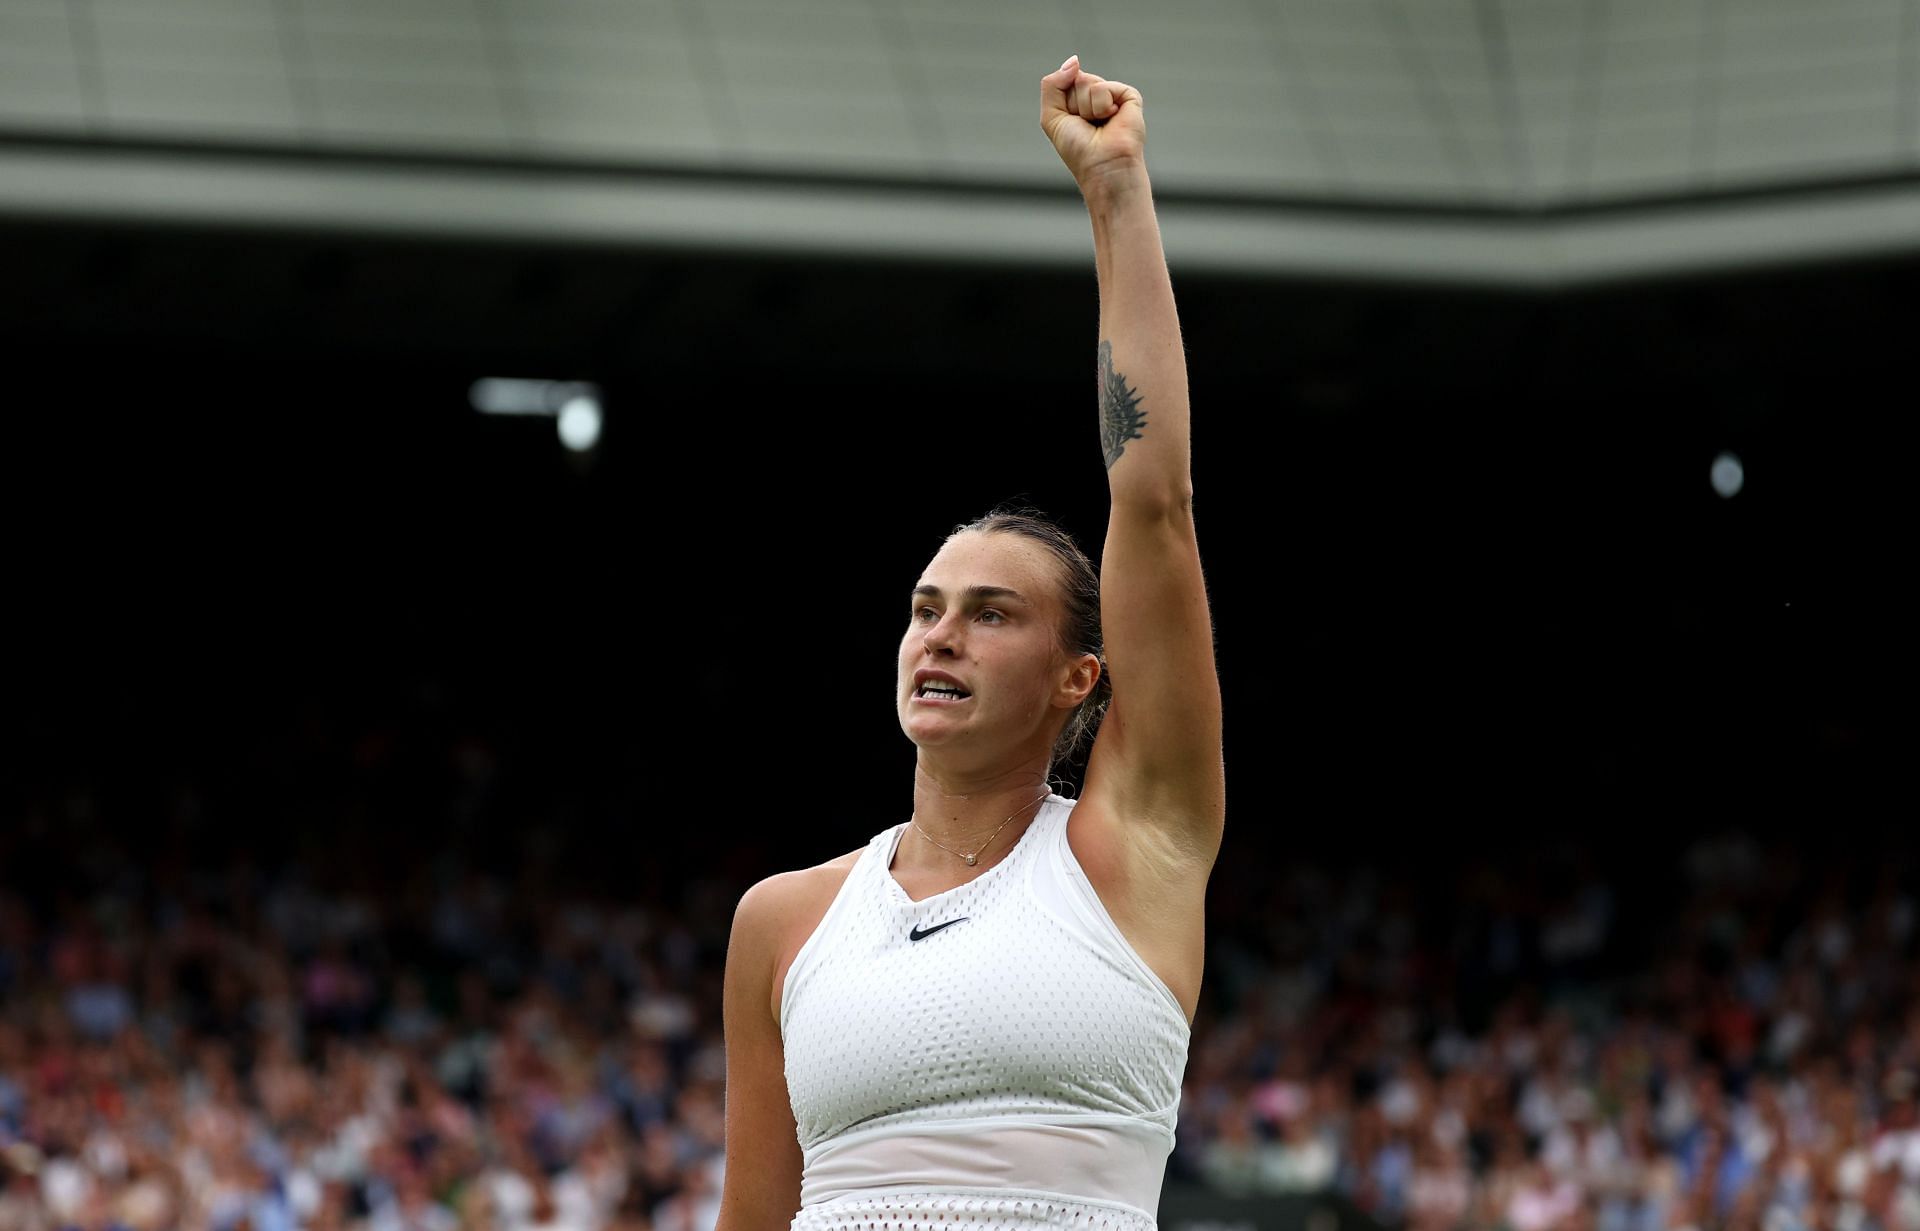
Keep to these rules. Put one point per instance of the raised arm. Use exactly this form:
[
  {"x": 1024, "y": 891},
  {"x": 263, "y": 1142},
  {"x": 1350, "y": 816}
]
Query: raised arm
[{"x": 1157, "y": 759}]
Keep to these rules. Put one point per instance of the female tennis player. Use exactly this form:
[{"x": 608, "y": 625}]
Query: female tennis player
[{"x": 981, "y": 1016}]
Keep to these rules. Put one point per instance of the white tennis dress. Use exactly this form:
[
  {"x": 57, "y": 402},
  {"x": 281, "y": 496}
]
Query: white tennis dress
[{"x": 1016, "y": 1066}]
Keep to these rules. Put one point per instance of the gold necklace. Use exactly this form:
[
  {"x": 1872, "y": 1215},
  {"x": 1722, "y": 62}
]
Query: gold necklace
[{"x": 974, "y": 858}]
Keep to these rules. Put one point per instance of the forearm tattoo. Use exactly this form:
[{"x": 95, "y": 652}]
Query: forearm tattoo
[{"x": 1121, "y": 418}]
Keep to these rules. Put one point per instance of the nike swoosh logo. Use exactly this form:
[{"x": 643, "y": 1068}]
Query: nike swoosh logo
[{"x": 917, "y": 934}]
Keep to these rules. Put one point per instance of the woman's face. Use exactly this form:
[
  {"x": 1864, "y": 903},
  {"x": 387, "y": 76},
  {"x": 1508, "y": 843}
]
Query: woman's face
[{"x": 980, "y": 660}]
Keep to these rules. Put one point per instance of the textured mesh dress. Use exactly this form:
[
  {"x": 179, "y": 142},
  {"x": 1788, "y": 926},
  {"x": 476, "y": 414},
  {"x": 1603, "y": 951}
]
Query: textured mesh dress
[{"x": 1015, "y": 1066}]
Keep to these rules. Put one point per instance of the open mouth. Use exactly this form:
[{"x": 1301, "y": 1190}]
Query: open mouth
[{"x": 934, "y": 690}]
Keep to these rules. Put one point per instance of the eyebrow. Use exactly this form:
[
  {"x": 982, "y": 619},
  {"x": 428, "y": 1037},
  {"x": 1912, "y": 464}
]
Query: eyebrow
[{"x": 976, "y": 593}]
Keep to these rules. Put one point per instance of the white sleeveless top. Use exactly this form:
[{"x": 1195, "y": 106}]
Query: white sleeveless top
[{"x": 1018, "y": 1063}]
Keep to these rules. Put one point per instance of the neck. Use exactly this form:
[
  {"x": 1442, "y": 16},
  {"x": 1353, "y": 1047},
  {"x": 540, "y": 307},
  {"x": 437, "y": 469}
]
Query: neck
[{"x": 960, "y": 810}]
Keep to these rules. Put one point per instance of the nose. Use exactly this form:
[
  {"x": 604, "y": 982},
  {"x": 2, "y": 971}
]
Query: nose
[{"x": 943, "y": 638}]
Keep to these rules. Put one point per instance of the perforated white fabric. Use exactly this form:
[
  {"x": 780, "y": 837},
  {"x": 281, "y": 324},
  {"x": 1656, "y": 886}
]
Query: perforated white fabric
[
  {"x": 948, "y": 1211},
  {"x": 1034, "y": 1010}
]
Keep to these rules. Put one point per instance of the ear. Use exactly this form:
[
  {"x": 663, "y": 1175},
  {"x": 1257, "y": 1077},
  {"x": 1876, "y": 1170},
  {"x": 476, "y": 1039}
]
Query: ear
[{"x": 1076, "y": 685}]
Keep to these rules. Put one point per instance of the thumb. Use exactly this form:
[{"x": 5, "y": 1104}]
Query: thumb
[{"x": 1053, "y": 92}]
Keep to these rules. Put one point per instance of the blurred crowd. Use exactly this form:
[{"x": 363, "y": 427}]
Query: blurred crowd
[
  {"x": 1747, "y": 1062},
  {"x": 1728, "y": 1042},
  {"x": 252, "y": 1052}
]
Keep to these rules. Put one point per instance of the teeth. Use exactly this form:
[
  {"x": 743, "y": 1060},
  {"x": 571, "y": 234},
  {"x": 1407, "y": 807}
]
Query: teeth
[{"x": 934, "y": 688}]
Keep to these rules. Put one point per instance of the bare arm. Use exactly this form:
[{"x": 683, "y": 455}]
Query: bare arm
[
  {"x": 761, "y": 1189},
  {"x": 1158, "y": 756}
]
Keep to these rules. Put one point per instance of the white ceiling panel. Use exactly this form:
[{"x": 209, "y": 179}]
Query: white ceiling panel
[
  {"x": 230, "y": 100},
  {"x": 1515, "y": 109}
]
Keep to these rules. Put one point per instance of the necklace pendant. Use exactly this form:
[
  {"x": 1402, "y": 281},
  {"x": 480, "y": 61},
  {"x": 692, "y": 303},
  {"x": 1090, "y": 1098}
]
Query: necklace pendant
[{"x": 972, "y": 859}]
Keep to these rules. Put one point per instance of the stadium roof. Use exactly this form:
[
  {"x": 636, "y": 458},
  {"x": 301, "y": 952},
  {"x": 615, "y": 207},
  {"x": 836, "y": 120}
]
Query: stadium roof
[{"x": 1519, "y": 142}]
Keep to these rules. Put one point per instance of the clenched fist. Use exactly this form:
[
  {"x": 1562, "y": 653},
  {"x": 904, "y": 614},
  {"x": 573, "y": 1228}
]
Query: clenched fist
[{"x": 1098, "y": 127}]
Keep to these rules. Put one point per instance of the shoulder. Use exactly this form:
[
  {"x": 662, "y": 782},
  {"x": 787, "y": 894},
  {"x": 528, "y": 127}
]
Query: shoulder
[
  {"x": 784, "y": 897},
  {"x": 776, "y": 915},
  {"x": 780, "y": 894}
]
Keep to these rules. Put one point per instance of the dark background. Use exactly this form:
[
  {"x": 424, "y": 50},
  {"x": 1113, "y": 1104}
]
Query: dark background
[{"x": 1472, "y": 588}]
